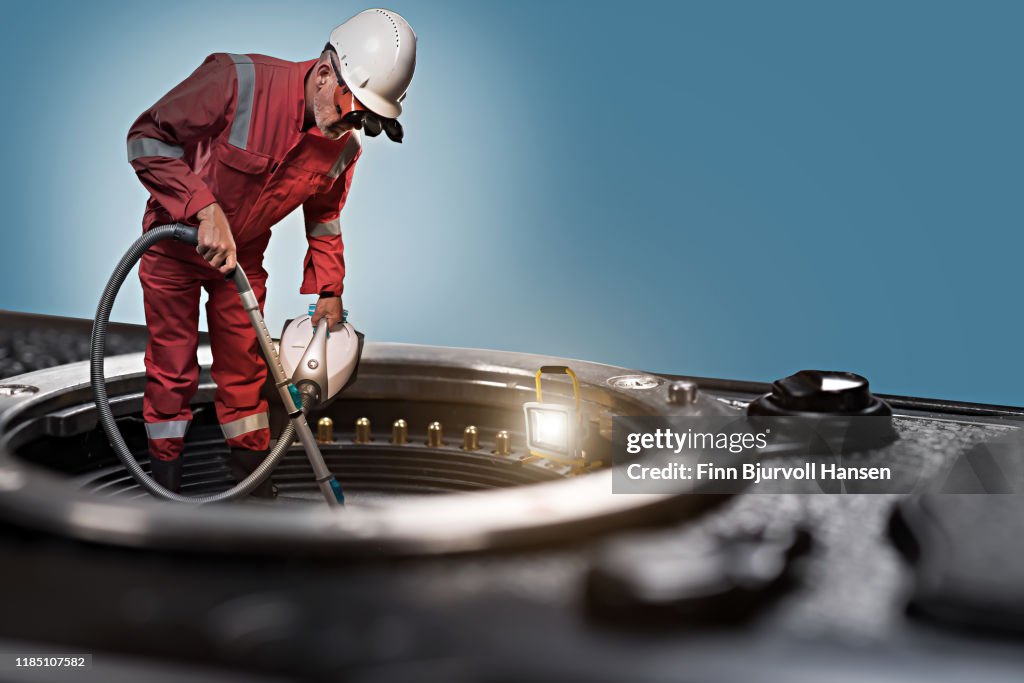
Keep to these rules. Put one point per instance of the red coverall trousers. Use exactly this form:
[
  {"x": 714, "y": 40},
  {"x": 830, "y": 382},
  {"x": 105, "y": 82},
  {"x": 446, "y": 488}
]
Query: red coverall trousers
[
  {"x": 233, "y": 132},
  {"x": 171, "y": 291}
]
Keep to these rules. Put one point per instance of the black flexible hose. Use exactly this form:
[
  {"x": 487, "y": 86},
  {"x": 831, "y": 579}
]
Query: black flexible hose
[{"x": 187, "y": 234}]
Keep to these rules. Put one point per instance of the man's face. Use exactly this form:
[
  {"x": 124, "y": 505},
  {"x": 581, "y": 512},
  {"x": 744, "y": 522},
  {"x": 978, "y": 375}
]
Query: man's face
[{"x": 331, "y": 102}]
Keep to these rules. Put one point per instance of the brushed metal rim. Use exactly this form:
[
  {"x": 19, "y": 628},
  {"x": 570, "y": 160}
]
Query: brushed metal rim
[{"x": 458, "y": 522}]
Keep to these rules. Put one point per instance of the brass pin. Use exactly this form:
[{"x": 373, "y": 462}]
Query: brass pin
[
  {"x": 434, "y": 435},
  {"x": 363, "y": 430},
  {"x": 503, "y": 443},
  {"x": 325, "y": 430},
  {"x": 470, "y": 439},
  {"x": 400, "y": 433}
]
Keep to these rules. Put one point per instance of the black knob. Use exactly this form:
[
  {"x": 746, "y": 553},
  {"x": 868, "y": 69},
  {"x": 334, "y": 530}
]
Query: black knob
[{"x": 820, "y": 392}]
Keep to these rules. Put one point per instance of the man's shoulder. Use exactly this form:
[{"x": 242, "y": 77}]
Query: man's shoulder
[
  {"x": 268, "y": 61},
  {"x": 234, "y": 58}
]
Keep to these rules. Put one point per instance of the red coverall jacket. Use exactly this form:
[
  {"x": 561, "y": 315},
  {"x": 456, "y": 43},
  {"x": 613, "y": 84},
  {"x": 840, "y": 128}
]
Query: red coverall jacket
[{"x": 231, "y": 133}]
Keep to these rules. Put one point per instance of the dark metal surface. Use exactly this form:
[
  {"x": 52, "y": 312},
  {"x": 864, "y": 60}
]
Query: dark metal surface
[
  {"x": 749, "y": 390},
  {"x": 513, "y": 613}
]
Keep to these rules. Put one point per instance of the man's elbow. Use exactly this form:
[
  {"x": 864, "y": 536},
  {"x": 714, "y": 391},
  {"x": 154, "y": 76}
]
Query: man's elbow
[{"x": 141, "y": 146}]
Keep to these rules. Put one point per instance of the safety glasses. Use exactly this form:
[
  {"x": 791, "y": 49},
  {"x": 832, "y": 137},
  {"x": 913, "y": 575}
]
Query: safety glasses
[
  {"x": 361, "y": 119},
  {"x": 372, "y": 124}
]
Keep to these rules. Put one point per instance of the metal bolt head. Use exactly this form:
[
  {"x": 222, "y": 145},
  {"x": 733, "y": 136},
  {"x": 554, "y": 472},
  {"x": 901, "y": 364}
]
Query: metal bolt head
[
  {"x": 435, "y": 435},
  {"x": 470, "y": 439},
  {"x": 682, "y": 393},
  {"x": 363, "y": 430},
  {"x": 312, "y": 364},
  {"x": 400, "y": 433},
  {"x": 325, "y": 430},
  {"x": 503, "y": 443}
]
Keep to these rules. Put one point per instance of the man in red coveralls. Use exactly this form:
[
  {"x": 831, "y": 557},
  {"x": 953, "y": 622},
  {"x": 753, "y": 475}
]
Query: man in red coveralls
[{"x": 234, "y": 148}]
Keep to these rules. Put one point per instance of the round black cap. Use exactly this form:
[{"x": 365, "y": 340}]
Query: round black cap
[{"x": 820, "y": 392}]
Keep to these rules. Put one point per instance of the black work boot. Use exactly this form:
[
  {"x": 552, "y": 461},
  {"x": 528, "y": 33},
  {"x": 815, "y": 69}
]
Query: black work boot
[
  {"x": 242, "y": 462},
  {"x": 167, "y": 473}
]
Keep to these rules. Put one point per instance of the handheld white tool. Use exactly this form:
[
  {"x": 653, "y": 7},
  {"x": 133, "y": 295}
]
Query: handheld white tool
[{"x": 320, "y": 361}]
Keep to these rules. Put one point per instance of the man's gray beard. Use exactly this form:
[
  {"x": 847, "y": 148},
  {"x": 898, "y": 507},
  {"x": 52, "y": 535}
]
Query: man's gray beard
[{"x": 327, "y": 132}]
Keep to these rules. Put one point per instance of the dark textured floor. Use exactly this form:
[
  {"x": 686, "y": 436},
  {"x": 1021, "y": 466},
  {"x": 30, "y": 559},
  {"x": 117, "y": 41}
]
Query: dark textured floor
[
  {"x": 30, "y": 342},
  {"x": 35, "y": 342}
]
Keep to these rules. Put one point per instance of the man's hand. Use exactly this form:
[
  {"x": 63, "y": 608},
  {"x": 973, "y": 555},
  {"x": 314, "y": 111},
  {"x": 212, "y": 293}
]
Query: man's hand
[
  {"x": 216, "y": 243},
  {"x": 329, "y": 308}
]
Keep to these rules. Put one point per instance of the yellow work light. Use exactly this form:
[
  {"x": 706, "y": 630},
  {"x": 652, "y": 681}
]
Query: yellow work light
[{"x": 553, "y": 430}]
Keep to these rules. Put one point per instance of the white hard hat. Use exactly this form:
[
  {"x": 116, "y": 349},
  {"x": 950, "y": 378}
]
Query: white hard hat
[{"x": 377, "y": 51}]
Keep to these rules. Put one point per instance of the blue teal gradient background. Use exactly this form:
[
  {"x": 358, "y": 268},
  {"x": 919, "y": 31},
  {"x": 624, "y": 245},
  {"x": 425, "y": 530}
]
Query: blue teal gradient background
[{"x": 734, "y": 189}]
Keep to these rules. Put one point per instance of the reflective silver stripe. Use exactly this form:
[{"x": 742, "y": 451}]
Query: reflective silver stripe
[
  {"x": 151, "y": 147},
  {"x": 348, "y": 153},
  {"x": 323, "y": 229},
  {"x": 239, "y": 135},
  {"x": 175, "y": 429},
  {"x": 245, "y": 425}
]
